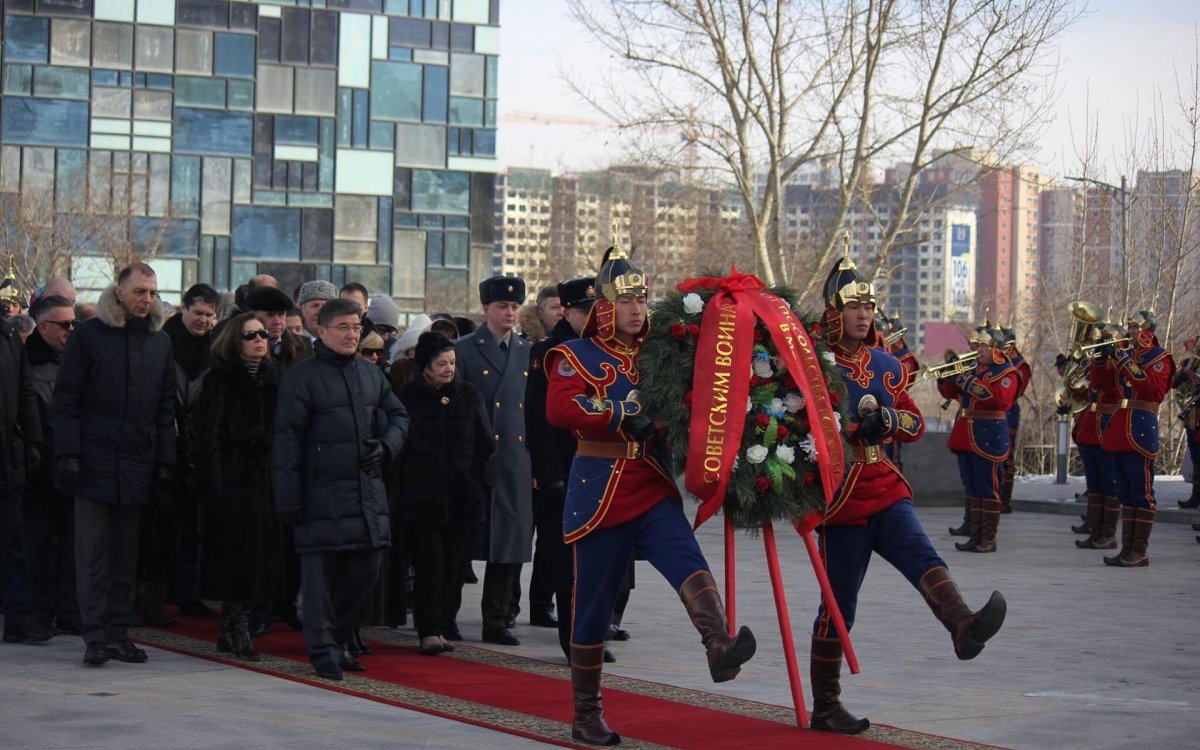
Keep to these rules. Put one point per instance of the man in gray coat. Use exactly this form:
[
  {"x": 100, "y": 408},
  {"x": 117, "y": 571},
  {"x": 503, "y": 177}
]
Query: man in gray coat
[{"x": 496, "y": 361}]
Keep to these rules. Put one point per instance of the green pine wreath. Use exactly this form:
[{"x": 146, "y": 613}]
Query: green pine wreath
[{"x": 765, "y": 485}]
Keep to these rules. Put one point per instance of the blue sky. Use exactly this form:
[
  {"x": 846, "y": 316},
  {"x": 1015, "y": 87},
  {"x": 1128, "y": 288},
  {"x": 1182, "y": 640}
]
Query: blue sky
[{"x": 1124, "y": 52}]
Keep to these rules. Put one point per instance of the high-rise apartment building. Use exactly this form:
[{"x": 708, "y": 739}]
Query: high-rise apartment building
[
  {"x": 1007, "y": 266},
  {"x": 349, "y": 140}
]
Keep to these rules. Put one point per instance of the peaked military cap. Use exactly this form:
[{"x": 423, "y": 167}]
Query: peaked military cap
[{"x": 579, "y": 292}]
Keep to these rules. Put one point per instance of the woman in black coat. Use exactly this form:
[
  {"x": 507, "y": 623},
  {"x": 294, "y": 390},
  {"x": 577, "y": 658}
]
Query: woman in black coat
[
  {"x": 444, "y": 471},
  {"x": 235, "y": 421}
]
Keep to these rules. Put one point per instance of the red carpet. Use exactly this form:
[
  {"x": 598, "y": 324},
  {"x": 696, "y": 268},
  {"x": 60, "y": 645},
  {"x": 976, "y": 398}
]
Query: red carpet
[{"x": 515, "y": 686}]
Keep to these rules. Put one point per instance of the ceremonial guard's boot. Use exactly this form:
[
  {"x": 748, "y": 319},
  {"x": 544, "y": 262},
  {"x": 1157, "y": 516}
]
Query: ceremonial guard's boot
[
  {"x": 989, "y": 524},
  {"x": 974, "y": 526},
  {"x": 1143, "y": 523},
  {"x": 587, "y": 664},
  {"x": 968, "y": 630},
  {"x": 1194, "y": 500},
  {"x": 1097, "y": 517},
  {"x": 243, "y": 644},
  {"x": 1006, "y": 488},
  {"x": 1092, "y": 516},
  {"x": 965, "y": 529},
  {"x": 1108, "y": 527},
  {"x": 825, "y": 671},
  {"x": 225, "y": 628},
  {"x": 1127, "y": 525},
  {"x": 726, "y": 655}
]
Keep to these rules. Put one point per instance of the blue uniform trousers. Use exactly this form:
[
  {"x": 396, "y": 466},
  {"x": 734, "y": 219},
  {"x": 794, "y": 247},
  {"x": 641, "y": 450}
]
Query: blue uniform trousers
[
  {"x": 1099, "y": 471},
  {"x": 980, "y": 477},
  {"x": 895, "y": 533},
  {"x": 1135, "y": 479},
  {"x": 662, "y": 535}
]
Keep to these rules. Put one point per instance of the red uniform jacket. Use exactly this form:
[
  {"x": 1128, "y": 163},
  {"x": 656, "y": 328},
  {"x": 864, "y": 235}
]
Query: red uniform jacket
[
  {"x": 985, "y": 395},
  {"x": 1144, "y": 376}
]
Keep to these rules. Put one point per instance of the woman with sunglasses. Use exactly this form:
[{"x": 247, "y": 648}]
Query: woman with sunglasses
[
  {"x": 370, "y": 349},
  {"x": 243, "y": 541}
]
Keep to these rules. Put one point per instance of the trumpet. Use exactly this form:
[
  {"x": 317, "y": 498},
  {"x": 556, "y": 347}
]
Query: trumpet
[
  {"x": 1089, "y": 351},
  {"x": 891, "y": 339},
  {"x": 956, "y": 364}
]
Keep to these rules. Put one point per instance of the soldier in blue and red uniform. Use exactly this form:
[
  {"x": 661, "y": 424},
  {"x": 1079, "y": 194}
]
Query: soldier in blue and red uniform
[
  {"x": 980, "y": 434},
  {"x": 1143, "y": 372},
  {"x": 897, "y": 346},
  {"x": 621, "y": 495},
  {"x": 1099, "y": 470},
  {"x": 1189, "y": 377},
  {"x": 1024, "y": 377},
  {"x": 873, "y": 510}
]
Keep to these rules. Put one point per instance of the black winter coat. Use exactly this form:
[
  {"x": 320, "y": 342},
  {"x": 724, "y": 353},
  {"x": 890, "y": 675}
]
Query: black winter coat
[
  {"x": 19, "y": 420},
  {"x": 234, "y": 429},
  {"x": 114, "y": 403},
  {"x": 43, "y": 372},
  {"x": 328, "y": 406},
  {"x": 193, "y": 359},
  {"x": 446, "y": 464}
]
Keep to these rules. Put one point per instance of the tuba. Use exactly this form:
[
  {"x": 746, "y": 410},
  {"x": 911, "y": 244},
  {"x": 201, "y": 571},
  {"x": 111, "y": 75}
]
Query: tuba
[{"x": 1086, "y": 322}]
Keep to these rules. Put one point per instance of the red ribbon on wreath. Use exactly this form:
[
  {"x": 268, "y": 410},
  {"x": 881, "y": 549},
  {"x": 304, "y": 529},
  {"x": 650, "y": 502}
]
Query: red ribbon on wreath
[{"x": 721, "y": 386}]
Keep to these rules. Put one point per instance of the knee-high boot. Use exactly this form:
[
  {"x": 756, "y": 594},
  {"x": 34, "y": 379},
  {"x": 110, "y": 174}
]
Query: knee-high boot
[
  {"x": 225, "y": 628},
  {"x": 1006, "y": 488},
  {"x": 1104, "y": 531},
  {"x": 587, "y": 664},
  {"x": 965, "y": 529},
  {"x": 825, "y": 671},
  {"x": 1193, "y": 500},
  {"x": 1127, "y": 526},
  {"x": 969, "y": 630},
  {"x": 726, "y": 655},
  {"x": 974, "y": 526},
  {"x": 1143, "y": 523},
  {"x": 1093, "y": 518}
]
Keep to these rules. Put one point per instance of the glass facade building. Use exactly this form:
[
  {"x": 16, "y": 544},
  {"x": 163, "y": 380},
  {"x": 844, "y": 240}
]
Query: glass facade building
[{"x": 348, "y": 140}]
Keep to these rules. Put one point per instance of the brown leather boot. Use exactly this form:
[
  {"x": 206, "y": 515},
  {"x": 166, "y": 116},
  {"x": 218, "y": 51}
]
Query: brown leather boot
[
  {"x": 1097, "y": 516},
  {"x": 965, "y": 529},
  {"x": 725, "y": 655},
  {"x": 825, "y": 668},
  {"x": 1127, "y": 524},
  {"x": 1193, "y": 500},
  {"x": 1006, "y": 488},
  {"x": 976, "y": 527},
  {"x": 989, "y": 521},
  {"x": 587, "y": 663},
  {"x": 1108, "y": 530},
  {"x": 1143, "y": 523},
  {"x": 968, "y": 630},
  {"x": 154, "y": 606},
  {"x": 1091, "y": 515}
]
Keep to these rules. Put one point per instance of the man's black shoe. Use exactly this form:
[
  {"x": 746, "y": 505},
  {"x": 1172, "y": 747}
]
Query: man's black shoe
[
  {"x": 616, "y": 634},
  {"x": 356, "y": 645},
  {"x": 197, "y": 609},
  {"x": 608, "y": 657},
  {"x": 348, "y": 663},
  {"x": 451, "y": 632},
  {"x": 127, "y": 652},
  {"x": 329, "y": 671},
  {"x": 500, "y": 636},
  {"x": 511, "y": 622},
  {"x": 96, "y": 654},
  {"x": 28, "y": 631},
  {"x": 543, "y": 618}
]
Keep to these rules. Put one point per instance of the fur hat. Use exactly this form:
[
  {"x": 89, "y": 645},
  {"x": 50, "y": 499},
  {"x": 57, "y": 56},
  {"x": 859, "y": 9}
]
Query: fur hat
[
  {"x": 429, "y": 345},
  {"x": 268, "y": 299},
  {"x": 314, "y": 290},
  {"x": 408, "y": 339},
  {"x": 502, "y": 289}
]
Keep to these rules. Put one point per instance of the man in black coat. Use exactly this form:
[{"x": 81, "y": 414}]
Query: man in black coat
[
  {"x": 551, "y": 451},
  {"x": 20, "y": 447},
  {"x": 191, "y": 341},
  {"x": 337, "y": 424},
  {"x": 114, "y": 441},
  {"x": 49, "y": 514}
]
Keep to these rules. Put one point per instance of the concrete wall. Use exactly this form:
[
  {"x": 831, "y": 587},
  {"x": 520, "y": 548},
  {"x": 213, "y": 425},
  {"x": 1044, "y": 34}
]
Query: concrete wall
[{"x": 932, "y": 470}]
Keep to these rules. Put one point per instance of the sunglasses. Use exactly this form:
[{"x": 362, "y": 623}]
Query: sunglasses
[
  {"x": 66, "y": 325},
  {"x": 372, "y": 352},
  {"x": 251, "y": 335}
]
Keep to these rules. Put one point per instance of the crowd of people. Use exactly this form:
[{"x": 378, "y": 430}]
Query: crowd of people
[{"x": 265, "y": 458}]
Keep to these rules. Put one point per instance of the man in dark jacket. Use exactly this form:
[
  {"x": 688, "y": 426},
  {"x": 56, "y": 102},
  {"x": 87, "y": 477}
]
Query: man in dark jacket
[
  {"x": 114, "y": 441},
  {"x": 337, "y": 424},
  {"x": 20, "y": 447},
  {"x": 174, "y": 543},
  {"x": 49, "y": 514},
  {"x": 271, "y": 307}
]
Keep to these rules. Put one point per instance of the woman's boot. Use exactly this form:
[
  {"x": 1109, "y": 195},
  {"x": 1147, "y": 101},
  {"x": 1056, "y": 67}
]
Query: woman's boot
[{"x": 587, "y": 664}]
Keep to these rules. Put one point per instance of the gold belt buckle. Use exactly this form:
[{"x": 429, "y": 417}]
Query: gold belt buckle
[
  {"x": 634, "y": 450},
  {"x": 1124, "y": 404},
  {"x": 870, "y": 454},
  {"x": 1094, "y": 407}
]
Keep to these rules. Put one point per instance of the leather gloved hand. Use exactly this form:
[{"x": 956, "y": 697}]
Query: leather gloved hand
[
  {"x": 66, "y": 474},
  {"x": 1064, "y": 409},
  {"x": 33, "y": 460},
  {"x": 871, "y": 426},
  {"x": 373, "y": 457},
  {"x": 639, "y": 426}
]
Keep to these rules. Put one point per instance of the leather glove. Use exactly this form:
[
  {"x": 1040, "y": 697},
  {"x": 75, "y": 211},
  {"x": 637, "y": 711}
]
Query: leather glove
[
  {"x": 374, "y": 456},
  {"x": 66, "y": 474},
  {"x": 291, "y": 517},
  {"x": 871, "y": 426},
  {"x": 639, "y": 426},
  {"x": 1064, "y": 409},
  {"x": 33, "y": 460}
]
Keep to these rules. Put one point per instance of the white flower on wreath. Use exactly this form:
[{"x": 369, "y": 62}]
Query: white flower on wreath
[
  {"x": 749, "y": 404},
  {"x": 762, "y": 368},
  {"x": 692, "y": 303},
  {"x": 829, "y": 357},
  {"x": 775, "y": 408},
  {"x": 793, "y": 402},
  {"x": 809, "y": 446},
  {"x": 756, "y": 454},
  {"x": 785, "y": 453},
  {"x": 837, "y": 420}
]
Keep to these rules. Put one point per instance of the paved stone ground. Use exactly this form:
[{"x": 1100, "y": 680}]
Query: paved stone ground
[{"x": 1091, "y": 657}]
